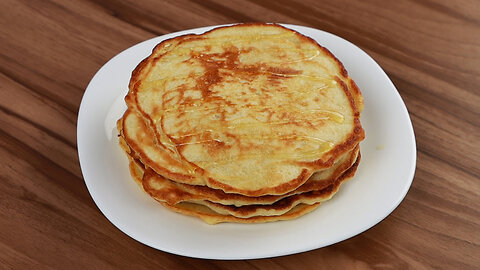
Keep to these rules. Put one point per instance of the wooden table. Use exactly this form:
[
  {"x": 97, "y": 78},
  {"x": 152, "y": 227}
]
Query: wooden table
[{"x": 49, "y": 51}]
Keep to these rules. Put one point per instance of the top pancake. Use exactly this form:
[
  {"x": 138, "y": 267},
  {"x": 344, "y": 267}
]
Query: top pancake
[{"x": 253, "y": 109}]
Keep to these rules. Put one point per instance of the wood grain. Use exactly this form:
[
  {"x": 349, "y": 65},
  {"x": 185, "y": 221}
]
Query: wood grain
[{"x": 49, "y": 51}]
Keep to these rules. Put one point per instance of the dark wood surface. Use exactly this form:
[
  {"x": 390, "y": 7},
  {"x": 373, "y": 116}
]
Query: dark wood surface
[{"x": 49, "y": 51}]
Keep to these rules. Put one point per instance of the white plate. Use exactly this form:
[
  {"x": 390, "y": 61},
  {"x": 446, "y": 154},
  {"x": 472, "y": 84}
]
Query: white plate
[{"x": 383, "y": 178}]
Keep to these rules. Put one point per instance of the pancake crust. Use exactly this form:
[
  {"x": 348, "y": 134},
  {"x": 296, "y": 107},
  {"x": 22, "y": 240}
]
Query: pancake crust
[{"x": 240, "y": 100}]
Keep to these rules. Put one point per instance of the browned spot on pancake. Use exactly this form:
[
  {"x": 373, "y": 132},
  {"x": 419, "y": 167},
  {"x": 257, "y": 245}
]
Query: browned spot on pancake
[
  {"x": 212, "y": 63},
  {"x": 209, "y": 78},
  {"x": 276, "y": 75},
  {"x": 251, "y": 69},
  {"x": 214, "y": 146},
  {"x": 279, "y": 71},
  {"x": 275, "y": 80}
]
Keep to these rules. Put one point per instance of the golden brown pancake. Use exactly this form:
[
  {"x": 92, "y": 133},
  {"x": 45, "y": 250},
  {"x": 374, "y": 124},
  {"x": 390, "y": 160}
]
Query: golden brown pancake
[
  {"x": 246, "y": 123},
  {"x": 236, "y": 110}
]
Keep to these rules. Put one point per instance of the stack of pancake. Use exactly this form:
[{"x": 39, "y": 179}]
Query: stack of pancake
[{"x": 246, "y": 123}]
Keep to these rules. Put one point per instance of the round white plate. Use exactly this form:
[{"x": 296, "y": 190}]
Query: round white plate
[{"x": 382, "y": 181}]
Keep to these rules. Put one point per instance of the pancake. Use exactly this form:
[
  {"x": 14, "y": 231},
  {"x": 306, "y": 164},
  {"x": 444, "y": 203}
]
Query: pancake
[
  {"x": 232, "y": 100},
  {"x": 247, "y": 123}
]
